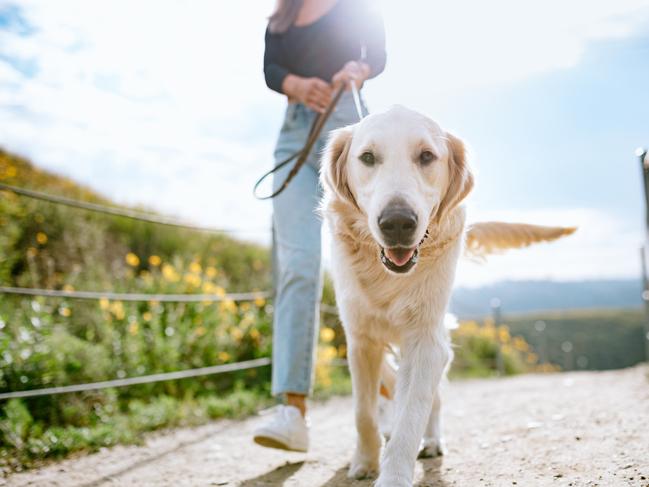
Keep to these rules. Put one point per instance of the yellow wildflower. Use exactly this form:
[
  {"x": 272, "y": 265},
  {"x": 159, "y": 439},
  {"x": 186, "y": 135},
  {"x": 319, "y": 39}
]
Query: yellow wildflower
[
  {"x": 195, "y": 267},
  {"x": 133, "y": 328},
  {"x": 209, "y": 287},
  {"x": 193, "y": 280},
  {"x": 68, "y": 287},
  {"x": 169, "y": 273},
  {"x": 327, "y": 334},
  {"x": 236, "y": 333},
  {"x": 228, "y": 306},
  {"x": 503, "y": 334},
  {"x": 154, "y": 260},
  {"x": 254, "y": 334},
  {"x": 520, "y": 344},
  {"x": 200, "y": 331},
  {"x": 32, "y": 252},
  {"x": 219, "y": 291},
  {"x": 322, "y": 375},
  {"x": 260, "y": 302},
  {"x": 245, "y": 307},
  {"x": 146, "y": 316},
  {"x": 117, "y": 309},
  {"x": 65, "y": 311},
  {"x": 211, "y": 272},
  {"x": 132, "y": 259},
  {"x": 531, "y": 358},
  {"x": 104, "y": 304},
  {"x": 224, "y": 356},
  {"x": 10, "y": 172},
  {"x": 41, "y": 238},
  {"x": 328, "y": 353}
]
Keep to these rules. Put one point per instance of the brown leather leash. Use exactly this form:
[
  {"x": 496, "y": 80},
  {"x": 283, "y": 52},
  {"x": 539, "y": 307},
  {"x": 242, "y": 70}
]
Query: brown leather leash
[{"x": 302, "y": 154}]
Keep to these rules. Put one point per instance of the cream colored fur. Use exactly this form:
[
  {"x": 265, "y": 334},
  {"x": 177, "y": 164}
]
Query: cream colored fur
[{"x": 378, "y": 307}]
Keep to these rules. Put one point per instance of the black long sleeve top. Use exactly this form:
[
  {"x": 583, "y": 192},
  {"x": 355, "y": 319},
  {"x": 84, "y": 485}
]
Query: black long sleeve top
[{"x": 350, "y": 31}]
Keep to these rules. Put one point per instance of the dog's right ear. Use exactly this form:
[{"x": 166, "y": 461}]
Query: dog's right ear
[{"x": 334, "y": 164}]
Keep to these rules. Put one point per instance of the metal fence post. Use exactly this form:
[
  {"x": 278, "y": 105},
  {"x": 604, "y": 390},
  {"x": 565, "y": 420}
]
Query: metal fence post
[
  {"x": 495, "y": 310},
  {"x": 643, "y": 158},
  {"x": 645, "y": 300}
]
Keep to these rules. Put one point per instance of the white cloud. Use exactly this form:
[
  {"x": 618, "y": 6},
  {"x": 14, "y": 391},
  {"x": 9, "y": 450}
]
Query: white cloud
[
  {"x": 163, "y": 103},
  {"x": 447, "y": 49}
]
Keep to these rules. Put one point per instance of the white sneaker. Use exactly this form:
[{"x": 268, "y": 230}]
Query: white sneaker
[
  {"x": 286, "y": 430},
  {"x": 386, "y": 416}
]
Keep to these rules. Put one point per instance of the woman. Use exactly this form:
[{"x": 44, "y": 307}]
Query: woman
[{"x": 312, "y": 48}]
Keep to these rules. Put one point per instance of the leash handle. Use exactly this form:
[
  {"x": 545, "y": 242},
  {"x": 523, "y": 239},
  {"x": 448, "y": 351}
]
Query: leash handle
[{"x": 302, "y": 154}]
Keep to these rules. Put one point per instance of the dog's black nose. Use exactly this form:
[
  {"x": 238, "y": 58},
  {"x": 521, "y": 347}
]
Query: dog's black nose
[{"x": 398, "y": 224}]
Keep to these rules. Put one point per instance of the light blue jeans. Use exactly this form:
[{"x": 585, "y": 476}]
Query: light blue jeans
[{"x": 296, "y": 249}]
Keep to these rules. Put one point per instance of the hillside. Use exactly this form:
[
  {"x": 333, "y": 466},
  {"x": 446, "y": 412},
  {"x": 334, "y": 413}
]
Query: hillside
[{"x": 532, "y": 296}]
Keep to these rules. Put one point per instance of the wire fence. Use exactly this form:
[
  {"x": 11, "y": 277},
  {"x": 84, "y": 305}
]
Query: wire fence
[
  {"x": 163, "y": 298},
  {"x": 155, "y": 297},
  {"x": 143, "y": 379},
  {"x": 112, "y": 296},
  {"x": 123, "y": 212}
]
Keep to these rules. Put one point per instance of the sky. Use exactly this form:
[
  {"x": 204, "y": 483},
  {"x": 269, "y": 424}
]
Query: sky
[{"x": 163, "y": 104}]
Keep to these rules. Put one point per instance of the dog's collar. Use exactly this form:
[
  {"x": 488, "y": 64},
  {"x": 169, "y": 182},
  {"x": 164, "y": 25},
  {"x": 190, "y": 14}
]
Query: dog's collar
[{"x": 423, "y": 238}]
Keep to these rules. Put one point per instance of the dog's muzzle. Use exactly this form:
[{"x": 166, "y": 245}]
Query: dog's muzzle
[{"x": 398, "y": 224}]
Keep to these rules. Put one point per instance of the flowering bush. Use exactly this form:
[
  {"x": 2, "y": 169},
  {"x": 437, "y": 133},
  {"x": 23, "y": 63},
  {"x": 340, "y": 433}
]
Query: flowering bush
[{"x": 476, "y": 351}]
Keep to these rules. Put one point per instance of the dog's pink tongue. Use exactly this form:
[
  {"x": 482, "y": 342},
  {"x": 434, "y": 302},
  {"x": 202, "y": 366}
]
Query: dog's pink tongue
[{"x": 400, "y": 256}]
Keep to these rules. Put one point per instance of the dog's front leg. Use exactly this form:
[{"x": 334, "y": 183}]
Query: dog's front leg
[
  {"x": 365, "y": 356},
  {"x": 424, "y": 357},
  {"x": 433, "y": 444}
]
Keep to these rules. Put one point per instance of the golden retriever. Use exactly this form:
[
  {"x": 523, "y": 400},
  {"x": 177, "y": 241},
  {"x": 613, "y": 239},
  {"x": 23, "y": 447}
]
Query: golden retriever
[{"x": 393, "y": 188}]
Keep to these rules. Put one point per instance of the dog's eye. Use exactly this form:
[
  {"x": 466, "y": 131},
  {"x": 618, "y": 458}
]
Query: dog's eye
[
  {"x": 368, "y": 158},
  {"x": 426, "y": 157}
]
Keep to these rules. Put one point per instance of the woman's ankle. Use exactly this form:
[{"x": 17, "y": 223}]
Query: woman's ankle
[{"x": 297, "y": 400}]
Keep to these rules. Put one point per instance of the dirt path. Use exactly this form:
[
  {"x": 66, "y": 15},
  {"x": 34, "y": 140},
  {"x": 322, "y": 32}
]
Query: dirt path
[{"x": 577, "y": 429}]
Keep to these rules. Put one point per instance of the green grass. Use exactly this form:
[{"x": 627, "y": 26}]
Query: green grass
[{"x": 27, "y": 442}]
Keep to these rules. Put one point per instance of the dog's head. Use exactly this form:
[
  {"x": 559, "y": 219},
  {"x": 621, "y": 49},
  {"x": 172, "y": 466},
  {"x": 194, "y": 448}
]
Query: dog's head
[{"x": 401, "y": 171}]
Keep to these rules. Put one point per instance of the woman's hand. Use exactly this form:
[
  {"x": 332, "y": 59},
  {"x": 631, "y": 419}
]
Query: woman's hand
[
  {"x": 353, "y": 70},
  {"x": 312, "y": 92}
]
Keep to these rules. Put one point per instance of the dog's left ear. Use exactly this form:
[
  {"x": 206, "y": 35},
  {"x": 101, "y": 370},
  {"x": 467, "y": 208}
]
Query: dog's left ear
[
  {"x": 333, "y": 172},
  {"x": 460, "y": 177}
]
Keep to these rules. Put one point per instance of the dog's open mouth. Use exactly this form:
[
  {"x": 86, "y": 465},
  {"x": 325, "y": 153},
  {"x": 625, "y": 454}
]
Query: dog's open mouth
[{"x": 399, "y": 259}]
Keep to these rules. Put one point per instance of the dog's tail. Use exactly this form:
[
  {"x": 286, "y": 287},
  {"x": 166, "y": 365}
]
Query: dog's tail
[{"x": 486, "y": 238}]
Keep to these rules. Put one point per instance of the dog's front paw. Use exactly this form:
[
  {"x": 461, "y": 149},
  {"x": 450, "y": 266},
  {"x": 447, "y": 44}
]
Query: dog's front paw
[
  {"x": 362, "y": 469},
  {"x": 432, "y": 448}
]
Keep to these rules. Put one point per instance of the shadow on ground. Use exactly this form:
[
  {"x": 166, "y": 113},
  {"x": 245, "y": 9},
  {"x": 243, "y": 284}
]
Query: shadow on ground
[
  {"x": 432, "y": 476},
  {"x": 432, "y": 473},
  {"x": 275, "y": 477},
  {"x": 278, "y": 476}
]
